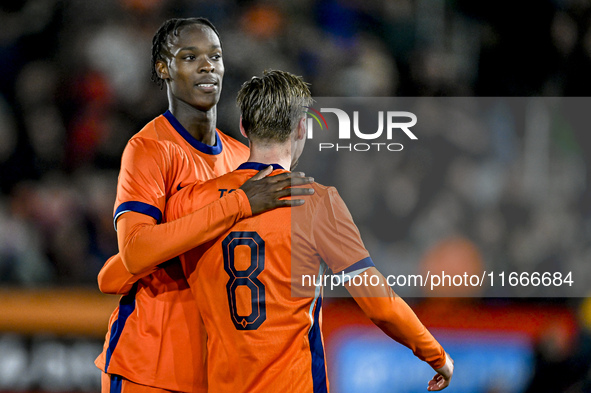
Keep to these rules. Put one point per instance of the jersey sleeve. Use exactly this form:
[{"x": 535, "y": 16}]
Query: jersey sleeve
[
  {"x": 144, "y": 241},
  {"x": 337, "y": 238},
  {"x": 142, "y": 179},
  {"x": 395, "y": 317},
  {"x": 114, "y": 279},
  {"x": 216, "y": 214},
  {"x": 144, "y": 245},
  {"x": 191, "y": 198}
]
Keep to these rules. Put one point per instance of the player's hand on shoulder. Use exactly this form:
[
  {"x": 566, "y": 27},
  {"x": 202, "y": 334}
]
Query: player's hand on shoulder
[
  {"x": 442, "y": 379},
  {"x": 265, "y": 192}
]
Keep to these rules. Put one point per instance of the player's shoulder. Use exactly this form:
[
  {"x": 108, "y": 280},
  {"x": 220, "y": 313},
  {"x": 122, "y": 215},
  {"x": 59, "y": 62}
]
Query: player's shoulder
[
  {"x": 322, "y": 194},
  {"x": 322, "y": 190},
  {"x": 232, "y": 180},
  {"x": 228, "y": 181},
  {"x": 156, "y": 130},
  {"x": 155, "y": 136},
  {"x": 329, "y": 192}
]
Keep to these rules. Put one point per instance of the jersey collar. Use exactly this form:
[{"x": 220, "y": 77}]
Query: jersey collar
[
  {"x": 258, "y": 166},
  {"x": 202, "y": 147}
]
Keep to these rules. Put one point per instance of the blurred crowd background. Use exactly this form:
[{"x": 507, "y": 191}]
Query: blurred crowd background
[
  {"x": 498, "y": 184},
  {"x": 75, "y": 86}
]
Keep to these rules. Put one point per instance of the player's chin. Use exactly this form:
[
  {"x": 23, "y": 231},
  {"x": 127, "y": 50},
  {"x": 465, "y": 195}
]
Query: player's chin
[{"x": 205, "y": 102}]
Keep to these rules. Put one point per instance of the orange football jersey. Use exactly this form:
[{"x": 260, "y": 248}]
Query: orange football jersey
[
  {"x": 261, "y": 338},
  {"x": 155, "y": 336}
]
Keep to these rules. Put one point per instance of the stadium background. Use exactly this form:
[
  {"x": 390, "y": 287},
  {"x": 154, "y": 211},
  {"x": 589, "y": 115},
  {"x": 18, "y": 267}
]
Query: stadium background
[{"x": 74, "y": 86}]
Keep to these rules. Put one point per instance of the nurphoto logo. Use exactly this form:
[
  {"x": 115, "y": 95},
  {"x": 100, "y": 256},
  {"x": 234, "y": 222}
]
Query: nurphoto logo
[{"x": 396, "y": 123}]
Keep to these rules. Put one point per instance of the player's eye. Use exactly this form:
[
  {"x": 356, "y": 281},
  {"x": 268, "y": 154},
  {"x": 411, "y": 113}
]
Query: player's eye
[
  {"x": 217, "y": 56},
  {"x": 189, "y": 57}
]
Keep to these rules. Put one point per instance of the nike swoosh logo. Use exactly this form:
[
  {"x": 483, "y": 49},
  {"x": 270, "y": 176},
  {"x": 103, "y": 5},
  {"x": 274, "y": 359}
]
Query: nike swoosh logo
[{"x": 179, "y": 187}]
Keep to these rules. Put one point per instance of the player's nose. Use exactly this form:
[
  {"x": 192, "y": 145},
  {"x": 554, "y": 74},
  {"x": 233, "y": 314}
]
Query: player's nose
[{"x": 206, "y": 65}]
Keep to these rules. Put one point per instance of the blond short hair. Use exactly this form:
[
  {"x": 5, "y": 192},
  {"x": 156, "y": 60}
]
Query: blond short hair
[{"x": 272, "y": 105}]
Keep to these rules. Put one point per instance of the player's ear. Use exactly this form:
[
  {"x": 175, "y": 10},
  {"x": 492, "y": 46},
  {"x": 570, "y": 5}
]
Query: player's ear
[
  {"x": 242, "y": 129},
  {"x": 301, "y": 131},
  {"x": 162, "y": 70}
]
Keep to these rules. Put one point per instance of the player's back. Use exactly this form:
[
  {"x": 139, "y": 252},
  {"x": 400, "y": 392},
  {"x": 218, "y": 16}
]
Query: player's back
[{"x": 260, "y": 337}]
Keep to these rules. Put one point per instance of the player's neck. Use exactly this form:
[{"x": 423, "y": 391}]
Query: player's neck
[
  {"x": 200, "y": 124},
  {"x": 271, "y": 154}
]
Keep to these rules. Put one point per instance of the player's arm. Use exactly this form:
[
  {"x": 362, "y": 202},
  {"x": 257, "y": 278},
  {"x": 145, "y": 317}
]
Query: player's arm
[
  {"x": 115, "y": 279},
  {"x": 146, "y": 249},
  {"x": 339, "y": 243},
  {"x": 147, "y": 171},
  {"x": 143, "y": 243},
  {"x": 142, "y": 259},
  {"x": 391, "y": 314}
]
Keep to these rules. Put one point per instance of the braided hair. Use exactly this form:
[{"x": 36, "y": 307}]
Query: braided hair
[{"x": 172, "y": 26}]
